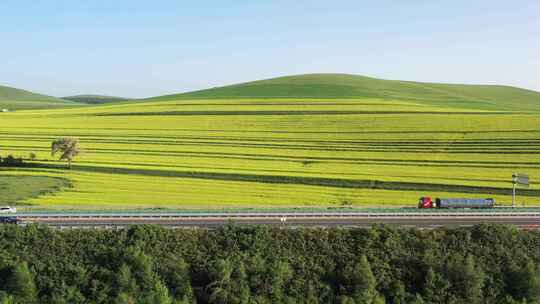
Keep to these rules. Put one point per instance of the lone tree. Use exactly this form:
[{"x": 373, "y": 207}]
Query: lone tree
[{"x": 69, "y": 147}]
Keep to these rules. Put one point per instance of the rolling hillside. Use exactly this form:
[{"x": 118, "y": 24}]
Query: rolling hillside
[
  {"x": 388, "y": 147},
  {"x": 491, "y": 97},
  {"x": 94, "y": 99},
  {"x": 17, "y": 99},
  {"x": 270, "y": 153}
]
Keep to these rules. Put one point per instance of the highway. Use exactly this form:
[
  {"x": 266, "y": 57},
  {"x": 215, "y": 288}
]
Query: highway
[{"x": 529, "y": 220}]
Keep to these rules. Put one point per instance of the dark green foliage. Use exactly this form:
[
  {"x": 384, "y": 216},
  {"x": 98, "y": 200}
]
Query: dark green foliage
[
  {"x": 20, "y": 284},
  {"x": 147, "y": 264},
  {"x": 358, "y": 282},
  {"x": 228, "y": 283},
  {"x": 11, "y": 161},
  {"x": 466, "y": 279},
  {"x": 138, "y": 282},
  {"x": 524, "y": 282}
]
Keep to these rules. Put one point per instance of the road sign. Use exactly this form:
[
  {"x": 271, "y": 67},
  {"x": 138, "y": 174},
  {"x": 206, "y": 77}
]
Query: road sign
[{"x": 521, "y": 179}]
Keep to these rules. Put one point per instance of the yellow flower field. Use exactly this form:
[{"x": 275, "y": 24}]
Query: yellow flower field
[{"x": 216, "y": 153}]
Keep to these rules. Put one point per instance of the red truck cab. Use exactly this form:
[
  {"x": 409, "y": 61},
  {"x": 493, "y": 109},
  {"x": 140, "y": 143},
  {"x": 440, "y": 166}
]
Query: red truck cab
[{"x": 425, "y": 202}]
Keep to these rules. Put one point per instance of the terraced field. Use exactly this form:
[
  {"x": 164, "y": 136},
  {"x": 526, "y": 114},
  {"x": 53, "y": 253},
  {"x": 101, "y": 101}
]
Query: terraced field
[{"x": 277, "y": 152}]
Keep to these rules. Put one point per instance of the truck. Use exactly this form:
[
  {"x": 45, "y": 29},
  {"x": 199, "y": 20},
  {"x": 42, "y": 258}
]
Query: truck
[{"x": 456, "y": 203}]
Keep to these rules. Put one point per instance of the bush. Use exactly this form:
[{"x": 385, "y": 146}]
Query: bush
[{"x": 11, "y": 161}]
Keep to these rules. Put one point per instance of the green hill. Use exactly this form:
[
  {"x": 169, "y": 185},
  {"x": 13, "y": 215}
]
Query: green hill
[
  {"x": 386, "y": 143},
  {"x": 17, "y": 99},
  {"x": 493, "y": 97},
  {"x": 94, "y": 99}
]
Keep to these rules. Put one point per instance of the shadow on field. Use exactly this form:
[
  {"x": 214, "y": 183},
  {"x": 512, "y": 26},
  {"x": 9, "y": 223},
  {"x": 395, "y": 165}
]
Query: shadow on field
[
  {"x": 300, "y": 180},
  {"x": 77, "y": 132},
  {"x": 287, "y": 113}
]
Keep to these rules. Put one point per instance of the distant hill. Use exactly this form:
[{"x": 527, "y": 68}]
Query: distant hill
[
  {"x": 353, "y": 86},
  {"x": 17, "y": 99},
  {"x": 94, "y": 99}
]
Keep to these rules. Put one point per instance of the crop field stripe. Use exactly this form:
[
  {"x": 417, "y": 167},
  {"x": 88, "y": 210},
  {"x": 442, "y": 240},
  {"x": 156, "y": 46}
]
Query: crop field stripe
[
  {"x": 312, "y": 181},
  {"x": 53, "y": 131},
  {"x": 299, "y": 159},
  {"x": 289, "y": 113},
  {"x": 389, "y": 152},
  {"x": 222, "y": 139}
]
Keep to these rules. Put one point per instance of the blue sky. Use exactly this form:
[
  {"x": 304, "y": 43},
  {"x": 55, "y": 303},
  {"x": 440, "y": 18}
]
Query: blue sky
[{"x": 146, "y": 48}]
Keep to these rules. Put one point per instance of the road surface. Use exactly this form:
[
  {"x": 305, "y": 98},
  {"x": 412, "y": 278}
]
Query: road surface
[{"x": 209, "y": 220}]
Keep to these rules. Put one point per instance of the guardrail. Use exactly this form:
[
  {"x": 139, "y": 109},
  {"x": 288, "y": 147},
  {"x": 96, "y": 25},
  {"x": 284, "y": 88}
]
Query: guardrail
[
  {"x": 284, "y": 210},
  {"x": 271, "y": 215}
]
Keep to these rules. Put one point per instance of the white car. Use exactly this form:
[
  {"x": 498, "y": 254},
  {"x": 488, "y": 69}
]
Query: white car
[{"x": 8, "y": 209}]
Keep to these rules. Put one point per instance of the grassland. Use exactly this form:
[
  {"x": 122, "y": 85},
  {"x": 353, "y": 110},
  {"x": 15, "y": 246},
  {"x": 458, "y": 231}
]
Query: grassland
[
  {"x": 17, "y": 99},
  {"x": 19, "y": 188},
  {"x": 201, "y": 152},
  {"x": 488, "y": 97},
  {"x": 94, "y": 99}
]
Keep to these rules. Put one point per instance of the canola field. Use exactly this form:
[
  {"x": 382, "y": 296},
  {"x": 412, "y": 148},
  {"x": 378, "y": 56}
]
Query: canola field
[{"x": 270, "y": 152}]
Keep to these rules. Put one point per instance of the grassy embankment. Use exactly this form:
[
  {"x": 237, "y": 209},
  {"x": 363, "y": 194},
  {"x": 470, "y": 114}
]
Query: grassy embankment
[{"x": 315, "y": 140}]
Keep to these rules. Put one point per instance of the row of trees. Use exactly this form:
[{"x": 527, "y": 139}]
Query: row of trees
[{"x": 147, "y": 264}]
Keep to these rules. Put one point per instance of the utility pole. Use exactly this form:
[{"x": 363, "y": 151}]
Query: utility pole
[
  {"x": 521, "y": 180},
  {"x": 514, "y": 182}
]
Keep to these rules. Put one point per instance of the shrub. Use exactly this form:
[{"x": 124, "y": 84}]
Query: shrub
[{"x": 11, "y": 161}]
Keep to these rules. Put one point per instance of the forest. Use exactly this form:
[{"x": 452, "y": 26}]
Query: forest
[{"x": 260, "y": 264}]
